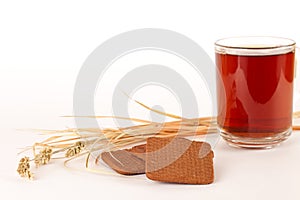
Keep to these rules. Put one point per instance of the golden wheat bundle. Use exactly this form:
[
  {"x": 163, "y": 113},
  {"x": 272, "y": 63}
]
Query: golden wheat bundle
[{"x": 68, "y": 144}]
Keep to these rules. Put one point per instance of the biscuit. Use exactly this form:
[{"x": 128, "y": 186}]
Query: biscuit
[
  {"x": 179, "y": 160},
  {"x": 124, "y": 162}
]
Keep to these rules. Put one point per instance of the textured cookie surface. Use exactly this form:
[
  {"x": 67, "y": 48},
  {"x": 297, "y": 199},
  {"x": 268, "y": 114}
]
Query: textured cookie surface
[
  {"x": 139, "y": 151},
  {"x": 179, "y": 160},
  {"x": 124, "y": 162}
]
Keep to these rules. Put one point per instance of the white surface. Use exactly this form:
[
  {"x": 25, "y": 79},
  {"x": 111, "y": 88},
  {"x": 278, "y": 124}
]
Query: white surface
[
  {"x": 240, "y": 174},
  {"x": 42, "y": 47}
]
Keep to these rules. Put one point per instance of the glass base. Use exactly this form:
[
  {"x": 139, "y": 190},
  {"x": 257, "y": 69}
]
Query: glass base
[{"x": 255, "y": 143}]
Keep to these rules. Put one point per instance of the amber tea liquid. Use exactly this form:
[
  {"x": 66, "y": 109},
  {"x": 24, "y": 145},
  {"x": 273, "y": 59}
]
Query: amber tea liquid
[{"x": 255, "y": 95}]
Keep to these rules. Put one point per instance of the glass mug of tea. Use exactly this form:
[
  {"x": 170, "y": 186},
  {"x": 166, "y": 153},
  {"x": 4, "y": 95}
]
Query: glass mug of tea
[{"x": 255, "y": 78}]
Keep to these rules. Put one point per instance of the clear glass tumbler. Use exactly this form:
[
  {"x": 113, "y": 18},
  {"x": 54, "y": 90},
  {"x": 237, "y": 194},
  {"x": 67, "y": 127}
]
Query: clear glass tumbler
[{"x": 255, "y": 78}]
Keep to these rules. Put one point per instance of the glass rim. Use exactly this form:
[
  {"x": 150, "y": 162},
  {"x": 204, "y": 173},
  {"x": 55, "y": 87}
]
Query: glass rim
[
  {"x": 254, "y": 45},
  {"x": 290, "y": 42}
]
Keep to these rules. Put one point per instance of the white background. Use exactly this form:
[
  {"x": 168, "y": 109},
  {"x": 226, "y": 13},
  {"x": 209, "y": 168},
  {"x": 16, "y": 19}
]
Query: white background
[{"x": 42, "y": 47}]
